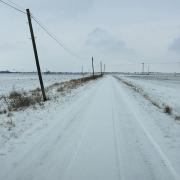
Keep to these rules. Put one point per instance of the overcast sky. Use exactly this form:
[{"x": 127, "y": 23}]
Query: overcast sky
[{"x": 120, "y": 33}]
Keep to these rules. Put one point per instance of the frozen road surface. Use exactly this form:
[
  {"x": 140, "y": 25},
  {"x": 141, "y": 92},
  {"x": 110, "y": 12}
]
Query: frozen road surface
[{"x": 104, "y": 135}]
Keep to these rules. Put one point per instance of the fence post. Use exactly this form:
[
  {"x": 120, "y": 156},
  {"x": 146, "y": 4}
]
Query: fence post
[{"x": 36, "y": 54}]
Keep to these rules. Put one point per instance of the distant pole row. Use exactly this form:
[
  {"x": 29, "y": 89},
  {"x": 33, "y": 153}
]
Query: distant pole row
[
  {"x": 37, "y": 58},
  {"x": 30, "y": 17},
  {"x": 143, "y": 71},
  {"x": 93, "y": 66},
  {"x": 101, "y": 68}
]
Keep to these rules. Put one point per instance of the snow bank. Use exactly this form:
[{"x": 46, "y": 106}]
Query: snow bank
[{"x": 162, "y": 91}]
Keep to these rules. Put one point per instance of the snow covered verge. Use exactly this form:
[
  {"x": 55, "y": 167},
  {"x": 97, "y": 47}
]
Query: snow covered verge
[
  {"x": 30, "y": 81},
  {"x": 23, "y": 110},
  {"x": 18, "y": 100},
  {"x": 159, "y": 92}
]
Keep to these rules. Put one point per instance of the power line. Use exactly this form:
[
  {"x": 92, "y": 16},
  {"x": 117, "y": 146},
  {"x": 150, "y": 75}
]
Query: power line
[
  {"x": 13, "y": 7},
  {"x": 17, "y": 5},
  {"x": 55, "y": 39},
  {"x": 20, "y": 9},
  {"x": 138, "y": 63}
]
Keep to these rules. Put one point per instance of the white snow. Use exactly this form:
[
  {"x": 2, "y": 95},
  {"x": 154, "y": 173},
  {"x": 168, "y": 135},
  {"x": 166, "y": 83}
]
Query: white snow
[
  {"x": 163, "y": 89},
  {"x": 33, "y": 116},
  {"x": 16, "y": 81},
  {"x": 103, "y": 131}
]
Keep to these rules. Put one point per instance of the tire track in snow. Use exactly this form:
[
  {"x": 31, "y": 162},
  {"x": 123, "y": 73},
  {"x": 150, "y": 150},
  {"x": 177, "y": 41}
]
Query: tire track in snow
[
  {"x": 29, "y": 168},
  {"x": 117, "y": 149},
  {"x": 79, "y": 144},
  {"x": 76, "y": 151},
  {"x": 121, "y": 138},
  {"x": 138, "y": 119}
]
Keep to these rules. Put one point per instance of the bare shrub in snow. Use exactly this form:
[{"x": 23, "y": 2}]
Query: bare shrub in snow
[
  {"x": 168, "y": 109},
  {"x": 177, "y": 117},
  {"x": 18, "y": 100}
]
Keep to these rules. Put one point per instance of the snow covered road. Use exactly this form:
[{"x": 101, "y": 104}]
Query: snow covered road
[{"x": 102, "y": 136}]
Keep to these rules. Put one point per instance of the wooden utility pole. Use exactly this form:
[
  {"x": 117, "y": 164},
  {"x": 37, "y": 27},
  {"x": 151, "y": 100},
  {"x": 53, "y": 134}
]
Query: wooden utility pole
[
  {"x": 148, "y": 69},
  {"x": 93, "y": 66},
  {"x": 36, "y": 54},
  {"x": 101, "y": 67},
  {"x": 142, "y": 68},
  {"x": 82, "y": 70}
]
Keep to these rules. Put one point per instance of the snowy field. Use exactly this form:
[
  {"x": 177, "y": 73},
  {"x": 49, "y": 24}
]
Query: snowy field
[
  {"x": 164, "y": 89},
  {"x": 15, "y": 81},
  {"x": 102, "y": 130}
]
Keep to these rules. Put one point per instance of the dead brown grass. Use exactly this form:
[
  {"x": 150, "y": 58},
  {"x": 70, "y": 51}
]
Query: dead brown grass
[{"x": 18, "y": 100}]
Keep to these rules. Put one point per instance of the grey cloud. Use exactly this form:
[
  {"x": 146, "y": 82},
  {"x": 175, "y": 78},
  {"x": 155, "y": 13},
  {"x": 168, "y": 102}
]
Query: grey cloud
[
  {"x": 175, "y": 46},
  {"x": 105, "y": 42}
]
